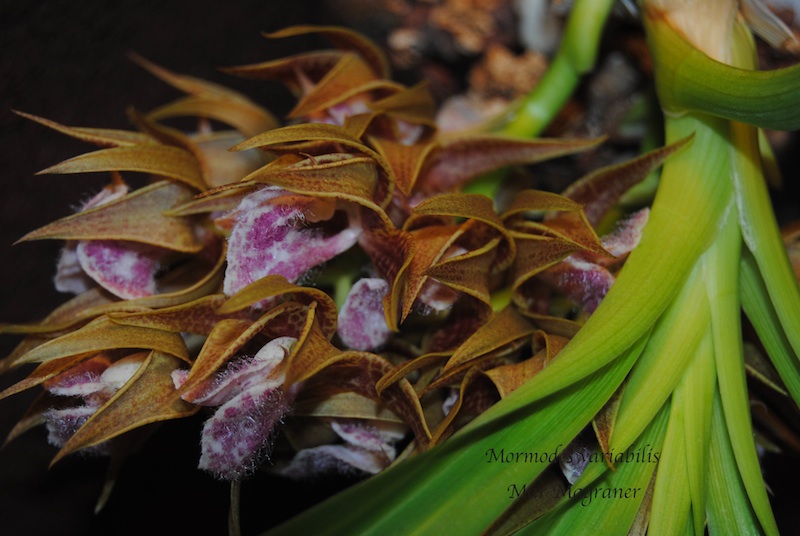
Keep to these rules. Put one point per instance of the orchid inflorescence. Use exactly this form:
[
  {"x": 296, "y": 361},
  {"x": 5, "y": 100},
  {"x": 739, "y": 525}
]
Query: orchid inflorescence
[{"x": 342, "y": 296}]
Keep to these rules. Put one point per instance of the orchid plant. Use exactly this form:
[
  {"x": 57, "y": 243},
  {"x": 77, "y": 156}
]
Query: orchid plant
[{"x": 359, "y": 291}]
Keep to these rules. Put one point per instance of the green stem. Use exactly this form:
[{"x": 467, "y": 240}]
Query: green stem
[{"x": 576, "y": 56}]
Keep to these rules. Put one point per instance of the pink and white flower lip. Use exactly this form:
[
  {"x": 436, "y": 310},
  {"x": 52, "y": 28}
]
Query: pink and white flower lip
[
  {"x": 250, "y": 402},
  {"x": 362, "y": 321},
  {"x": 126, "y": 269},
  {"x": 273, "y": 238}
]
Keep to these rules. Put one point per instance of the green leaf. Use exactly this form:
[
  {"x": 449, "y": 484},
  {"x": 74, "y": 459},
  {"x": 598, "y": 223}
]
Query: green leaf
[
  {"x": 729, "y": 509},
  {"x": 758, "y": 308},
  {"x": 671, "y": 496},
  {"x": 696, "y": 394},
  {"x": 722, "y": 284}
]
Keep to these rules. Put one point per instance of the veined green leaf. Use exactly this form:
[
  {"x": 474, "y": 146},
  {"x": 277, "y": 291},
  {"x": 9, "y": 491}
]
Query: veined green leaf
[
  {"x": 696, "y": 394},
  {"x": 759, "y": 310},
  {"x": 722, "y": 284},
  {"x": 729, "y": 509},
  {"x": 761, "y": 233},
  {"x": 674, "y": 341},
  {"x": 671, "y": 496}
]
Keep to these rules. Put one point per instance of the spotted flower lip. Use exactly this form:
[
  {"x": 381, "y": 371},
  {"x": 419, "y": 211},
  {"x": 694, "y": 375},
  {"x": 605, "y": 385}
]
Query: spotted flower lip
[
  {"x": 250, "y": 402},
  {"x": 126, "y": 269},
  {"x": 362, "y": 323},
  {"x": 269, "y": 237}
]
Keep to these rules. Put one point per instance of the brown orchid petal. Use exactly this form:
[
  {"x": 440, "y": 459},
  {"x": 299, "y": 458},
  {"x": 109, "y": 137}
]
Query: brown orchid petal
[
  {"x": 245, "y": 116},
  {"x": 351, "y": 76},
  {"x": 475, "y": 396},
  {"x": 415, "y": 105},
  {"x": 300, "y": 135},
  {"x": 223, "y": 198},
  {"x": 430, "y": 245},
  {"x": 471, "y": 206},
  {"x": 45, "y": 371},
  {"x": 276, "y": 285},
  {"x": 189, "y": 84},
  {"x": 455, "y": 375},
  {"x": 103, "y": 334},
  {"x": 554, "y": 326},
  {"x": 357, "y": 124},
  {"x": 468, "y": 273},
  {"x": 136, "y": 217},
  {"x": 197, "y": 316},
  {"x": 534, "y": 255},
  {"x": 342, "y": 176},
  {"x": 507, "y": 378},
  {"x": 159, "y": 160},
  {"x": 599, "y": 191},
  {"x": 603, "y": 424},
  {"x": 538, "y": 201},
  {"x": 291, "y": 70},
  {"x": 312, "y": 353},
  {"x": 407, "y": 367},
  {"x": 223, "y": 166},
  {"x": 96, "y": 136},
  {"x": 574, "y": 226},
  {"x": 148, "y": 397},
  {"x": 344, "y": 39},
  {"x": 187, "y": 286},
  {"x": 337, "y": 405},
  {"x": 67, "y": 314},
  {"x": 458, "y": 159},
  {"x": 462, "y": 322},
  {"x": 501, "y": 331},
  {"x": 34, "y": 415},
  {"x": 391, "y": 251},
  {"x": 360, "y": 371},
  {"x": 97, "y": 302},
  {"x": 226, "y": 340},
  {"x": 405, "y": 160}
]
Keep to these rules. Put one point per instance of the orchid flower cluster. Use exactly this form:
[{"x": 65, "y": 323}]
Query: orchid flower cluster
[
  {"x": 329, "y": 270},
  {"x": 338, "y": 293}
]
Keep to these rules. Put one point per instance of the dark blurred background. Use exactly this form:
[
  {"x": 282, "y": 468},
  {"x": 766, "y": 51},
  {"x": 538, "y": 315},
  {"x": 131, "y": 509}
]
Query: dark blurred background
[{"x": 68, "y": 61}]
